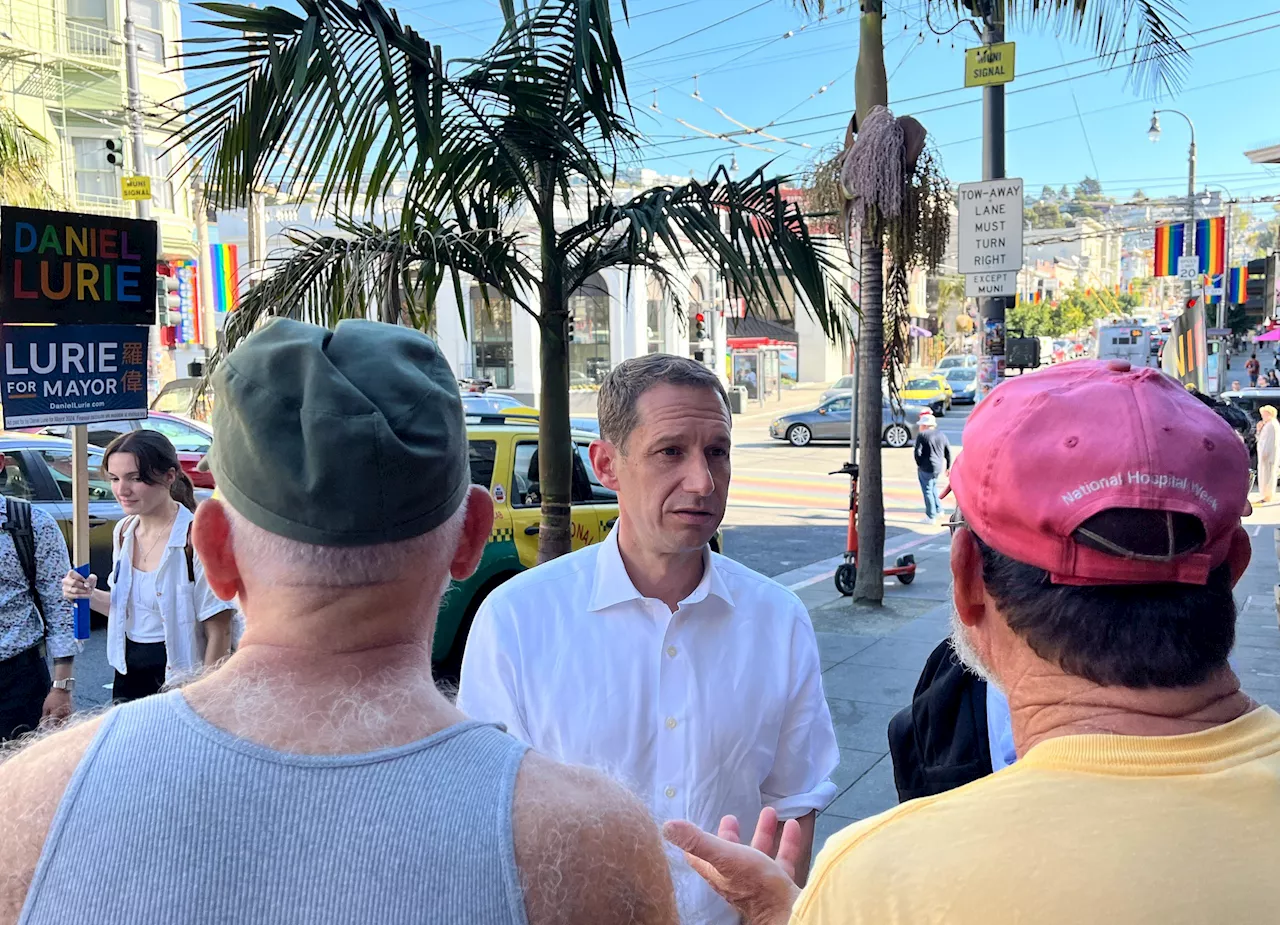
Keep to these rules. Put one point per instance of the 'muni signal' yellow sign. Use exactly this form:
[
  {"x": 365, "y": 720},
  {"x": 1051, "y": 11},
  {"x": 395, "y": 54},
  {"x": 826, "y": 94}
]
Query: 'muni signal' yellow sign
[
  {"x": 988, "y": 65},
  {"x": 135, "y": 188}
]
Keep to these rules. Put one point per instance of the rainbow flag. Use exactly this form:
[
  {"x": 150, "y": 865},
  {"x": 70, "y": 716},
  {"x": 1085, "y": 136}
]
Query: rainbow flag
[
  {"x": 1169, "y": 240},
  {"x": 1237, "y": 282},
  {"x": 224, "y": 267},
  {"x": 1211, "y": 245}
]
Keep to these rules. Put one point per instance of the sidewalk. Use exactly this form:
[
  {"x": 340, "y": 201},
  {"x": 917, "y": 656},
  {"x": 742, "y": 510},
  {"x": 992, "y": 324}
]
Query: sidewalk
[{"x": 871, "y": 657}]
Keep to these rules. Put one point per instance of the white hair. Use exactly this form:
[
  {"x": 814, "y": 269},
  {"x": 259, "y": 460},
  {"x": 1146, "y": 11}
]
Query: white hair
[{"x": 291, "y": 563}]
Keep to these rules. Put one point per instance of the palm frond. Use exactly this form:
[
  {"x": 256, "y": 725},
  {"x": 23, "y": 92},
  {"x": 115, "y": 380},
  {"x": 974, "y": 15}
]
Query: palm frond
[
  {"x": 746, "y": 228},
  {"x": 24, "y": 160}
]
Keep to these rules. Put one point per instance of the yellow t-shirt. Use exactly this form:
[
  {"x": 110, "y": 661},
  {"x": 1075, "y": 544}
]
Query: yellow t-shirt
[{"x": 1089, "y": 829}]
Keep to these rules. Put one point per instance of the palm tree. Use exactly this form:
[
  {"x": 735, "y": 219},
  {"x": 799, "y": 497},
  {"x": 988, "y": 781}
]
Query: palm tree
[
  {"x": 1156, "y": 60},
  {"x": 24, "y": 157},
  {"x": 499, "y": 167}
]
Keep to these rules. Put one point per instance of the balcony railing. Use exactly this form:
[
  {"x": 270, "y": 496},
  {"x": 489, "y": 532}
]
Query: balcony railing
[{"x": 37, "y": 29}]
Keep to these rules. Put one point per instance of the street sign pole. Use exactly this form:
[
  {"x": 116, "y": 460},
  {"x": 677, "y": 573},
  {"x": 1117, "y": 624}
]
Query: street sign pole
[{"x": 991, "y": 310}]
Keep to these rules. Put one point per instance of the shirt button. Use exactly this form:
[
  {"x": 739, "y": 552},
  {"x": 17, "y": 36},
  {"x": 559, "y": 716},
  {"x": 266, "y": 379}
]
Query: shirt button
[
  {"x": 670, "y": 792},
  {"x": 671, "y": 722},
  {"x": 671, "y": 651}
]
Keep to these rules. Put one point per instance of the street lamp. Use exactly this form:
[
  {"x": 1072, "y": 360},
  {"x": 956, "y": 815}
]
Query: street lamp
[
  {"x": 1229, "y": 202},
  {"x": 1153, "y": 133}
]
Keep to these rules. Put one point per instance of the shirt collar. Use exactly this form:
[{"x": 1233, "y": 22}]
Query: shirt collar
[
  {"x": 612, "y": 584},
  {"x": 177, "y": 533}
]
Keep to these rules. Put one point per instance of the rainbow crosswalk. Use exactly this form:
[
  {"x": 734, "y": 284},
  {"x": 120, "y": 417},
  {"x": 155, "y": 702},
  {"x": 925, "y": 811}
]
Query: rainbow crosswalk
[{"x": 776, "y": 489}]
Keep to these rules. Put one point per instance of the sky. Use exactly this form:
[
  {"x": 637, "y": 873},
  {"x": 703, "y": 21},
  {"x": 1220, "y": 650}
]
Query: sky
[{"x": 764, "y": 63}]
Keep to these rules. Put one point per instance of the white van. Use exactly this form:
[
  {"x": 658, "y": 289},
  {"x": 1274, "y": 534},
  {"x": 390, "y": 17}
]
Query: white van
[{"x": 1127, "y": 341}]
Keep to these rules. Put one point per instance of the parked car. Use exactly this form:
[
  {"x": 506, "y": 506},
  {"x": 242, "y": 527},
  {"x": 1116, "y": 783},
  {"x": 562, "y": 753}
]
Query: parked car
[
  {"x": 962, "y": 360},
  {"x": 830, "y": 420},
  {"x": 842, "y": 386},
  {"x": 191, "y": 439},
  {"x": 964, "y": 384},
  {"x": 1250, "y": 400},
  {"x": 39, "y": 469},
  {"x": 504, "y": 460},
  {"x": 182, "y": 397},
  {"x": 929, "y": 391}
]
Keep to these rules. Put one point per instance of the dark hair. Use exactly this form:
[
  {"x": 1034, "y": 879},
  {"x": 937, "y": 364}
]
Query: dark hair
[
  {"x": 1139, "y": 636},
  {"x": 626, "y": 382},
  {"x": 155, "y": 456}
]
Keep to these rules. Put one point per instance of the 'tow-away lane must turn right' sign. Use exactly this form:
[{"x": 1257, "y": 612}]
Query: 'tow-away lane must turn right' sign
[{"x": 989, "y": 227}]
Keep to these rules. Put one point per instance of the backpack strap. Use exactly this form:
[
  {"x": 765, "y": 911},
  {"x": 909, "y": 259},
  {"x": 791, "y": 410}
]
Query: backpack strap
[
  {"x": 191, "y": 558},
  {"x": 18, "y": 525}
]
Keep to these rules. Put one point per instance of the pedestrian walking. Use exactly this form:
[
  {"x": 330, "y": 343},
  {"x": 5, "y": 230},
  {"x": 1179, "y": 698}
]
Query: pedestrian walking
[
  {"x": 33, "y": 559},
  {"x": 163, "y": 619},
  {"x": 1252, "y": 367},
  {"x": 1268, "y": 446},
  {"x": 933, "y": 460},
  {"x": 318, "y": 777},
  {"x": 633, "y": 655},
  {"x": 1093, "y": 570}
]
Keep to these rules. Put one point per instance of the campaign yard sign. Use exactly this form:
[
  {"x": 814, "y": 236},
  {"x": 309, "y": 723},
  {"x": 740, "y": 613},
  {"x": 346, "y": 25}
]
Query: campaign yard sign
[
  {"x": 76, "y": 268},
  {"x": 73, "y": 374}
]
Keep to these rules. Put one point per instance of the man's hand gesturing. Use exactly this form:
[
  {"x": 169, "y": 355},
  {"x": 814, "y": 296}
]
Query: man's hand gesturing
[{"x": 763, "y": 889}]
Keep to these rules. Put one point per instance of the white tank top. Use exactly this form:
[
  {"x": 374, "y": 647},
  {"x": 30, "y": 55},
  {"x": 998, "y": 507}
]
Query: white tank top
[{"x": 144, "y": 622}]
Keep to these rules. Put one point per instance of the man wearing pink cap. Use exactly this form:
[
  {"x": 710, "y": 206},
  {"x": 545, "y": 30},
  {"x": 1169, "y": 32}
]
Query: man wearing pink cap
[{"x": 1095, "y": 549}]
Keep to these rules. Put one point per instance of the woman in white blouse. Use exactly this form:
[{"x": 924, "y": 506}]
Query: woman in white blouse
[{"x": 163, "y": 620}]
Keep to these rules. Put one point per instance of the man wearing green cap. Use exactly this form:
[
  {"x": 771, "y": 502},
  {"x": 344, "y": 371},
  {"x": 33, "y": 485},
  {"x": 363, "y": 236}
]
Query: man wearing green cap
[{"x": 318, "y": 776}]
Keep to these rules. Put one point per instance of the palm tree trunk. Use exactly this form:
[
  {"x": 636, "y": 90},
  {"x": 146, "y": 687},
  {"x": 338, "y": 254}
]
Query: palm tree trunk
[
  {"x": 555, "y": 443},
  {"x": 869, "y": 587},
  {"x": 871, "y": 88}
]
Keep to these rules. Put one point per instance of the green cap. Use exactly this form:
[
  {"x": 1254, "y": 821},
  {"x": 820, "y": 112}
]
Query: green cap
[{"x": 347, "y": 437}]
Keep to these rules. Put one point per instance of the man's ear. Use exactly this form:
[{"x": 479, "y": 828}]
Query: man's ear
[
  {"x": 604, "y": 459},
  {"x": 968, "y": 590},
  {"x": 1239, "y": 554},
  {"x": 211, "y": 537},
  {"x": 476, "y": 528}
]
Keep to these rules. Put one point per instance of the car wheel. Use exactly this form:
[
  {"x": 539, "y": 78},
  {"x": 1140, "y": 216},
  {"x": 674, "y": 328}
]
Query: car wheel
[
  {"x": 799, "y": 435},
  {"x": 897, "y": 436},
  {"x": 846, "y": 576}
]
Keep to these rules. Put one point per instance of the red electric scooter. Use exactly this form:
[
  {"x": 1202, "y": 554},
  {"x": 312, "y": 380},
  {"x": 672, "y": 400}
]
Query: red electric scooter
[{"x": 904, "y": 569}]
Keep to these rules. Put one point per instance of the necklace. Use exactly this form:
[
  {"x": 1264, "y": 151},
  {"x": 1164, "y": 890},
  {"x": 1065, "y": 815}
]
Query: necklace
[{"x": 168, "y": 530}]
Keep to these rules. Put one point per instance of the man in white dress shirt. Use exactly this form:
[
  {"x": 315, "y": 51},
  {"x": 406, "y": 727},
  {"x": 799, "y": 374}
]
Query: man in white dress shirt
[{"x": 681, "y": 673}]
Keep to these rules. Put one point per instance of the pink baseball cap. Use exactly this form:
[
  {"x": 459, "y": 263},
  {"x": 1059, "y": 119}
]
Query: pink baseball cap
[{"x": 1045, "y": 453}]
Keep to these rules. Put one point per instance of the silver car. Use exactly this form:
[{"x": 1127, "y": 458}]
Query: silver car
[
  {"x": 831, "y": 421},
  {"x": 842, "y": 386}
]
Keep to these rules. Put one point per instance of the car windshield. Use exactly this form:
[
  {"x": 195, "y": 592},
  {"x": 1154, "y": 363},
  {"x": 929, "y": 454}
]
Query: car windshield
[
  {"x": 948, "y": 362},
  {"x": 921, "y": 384},
  {"x": 962, "y": 375}
]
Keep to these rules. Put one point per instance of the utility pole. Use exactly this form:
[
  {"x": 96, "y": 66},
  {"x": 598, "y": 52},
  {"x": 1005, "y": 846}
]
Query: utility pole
[
  {"x": 134, "y": 84},
  {"x": 991, "y": 310}
]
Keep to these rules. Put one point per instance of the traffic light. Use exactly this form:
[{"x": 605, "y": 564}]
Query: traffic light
[
  {"x": 167, "y": 299},
  {"x": 569, "y": 339},
  {"x": 700, "y": 327},
  {"x": 1260, "y": 288},
  {"x": 115, "y": 152}
]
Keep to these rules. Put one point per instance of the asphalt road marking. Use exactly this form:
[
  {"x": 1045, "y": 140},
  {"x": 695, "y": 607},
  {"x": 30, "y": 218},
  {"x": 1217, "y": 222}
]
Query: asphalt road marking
[{"x": 894, "y": 549}]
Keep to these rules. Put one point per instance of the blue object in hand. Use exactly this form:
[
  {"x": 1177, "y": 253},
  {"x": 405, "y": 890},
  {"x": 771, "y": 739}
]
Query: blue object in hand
[{"x": 82, "y": 608}]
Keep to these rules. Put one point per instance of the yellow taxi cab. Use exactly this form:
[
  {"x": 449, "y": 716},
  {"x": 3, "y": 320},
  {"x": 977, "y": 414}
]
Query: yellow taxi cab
[{"x": 930, "y": 389}]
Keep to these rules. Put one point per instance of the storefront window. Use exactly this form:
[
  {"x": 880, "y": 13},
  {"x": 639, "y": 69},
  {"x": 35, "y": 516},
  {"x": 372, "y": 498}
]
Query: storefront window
[
  {"x": 491, "y": 337},
  {"x": 653, "y": 324},
  {"x": 589, "y": 349}
]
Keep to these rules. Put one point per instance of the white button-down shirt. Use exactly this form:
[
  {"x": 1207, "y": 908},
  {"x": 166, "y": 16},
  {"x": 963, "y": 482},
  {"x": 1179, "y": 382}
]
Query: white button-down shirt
[{"x": 717, "y": 708}]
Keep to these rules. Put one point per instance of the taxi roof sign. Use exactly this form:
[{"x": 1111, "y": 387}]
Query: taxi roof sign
[{"x": 988, "y": 65}]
